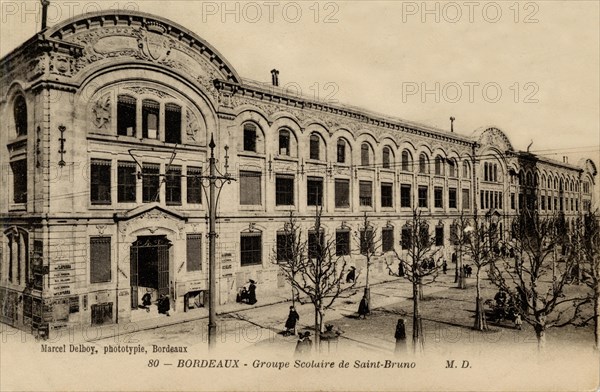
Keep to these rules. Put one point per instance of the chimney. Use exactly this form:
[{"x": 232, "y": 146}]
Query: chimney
[
  {"x": 565, "y": 159},
  {"x": 45, "y": 4},
  {"x": 275, "y": 77},
  {"x": 452, "y": 124}
]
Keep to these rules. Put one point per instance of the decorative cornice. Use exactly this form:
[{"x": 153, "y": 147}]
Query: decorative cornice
[{"x": 293, "y": 102}]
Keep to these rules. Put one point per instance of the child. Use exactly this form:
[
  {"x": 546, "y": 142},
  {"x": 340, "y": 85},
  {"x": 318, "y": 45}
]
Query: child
[{"x": 518, "y": 321}]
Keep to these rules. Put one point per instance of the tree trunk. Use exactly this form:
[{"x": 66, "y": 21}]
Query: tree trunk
[
  {"x": 318, "y": 322},
  {"x": 596, "y": 316},
  {"x": 461, "y": 273},
  {"x": 417, "y": 337},
  {"x": 480, "y": 321},
  {"x": 421, "y": 295},
  {"x": 540, "y": 333}
]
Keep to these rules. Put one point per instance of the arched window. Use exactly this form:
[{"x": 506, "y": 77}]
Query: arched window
[
  {"x": 20, "y": 113},
  {"x": 341, "y": 151},
  {"x": 406, "y": 161},
  {"x": 556, "y": 183},
  {"x": 549, "y": 182},
  {"x": 250, "y": 136},
  {"x": 386, "y": 157},
  {"x": 150, "y": 119},
  {"x": 126, "y": 115},
  {"x": 284, "y": 142},
  {"x": 466, "y": 169},
  {"x": 439, "y": 166},
  {"x": 423, "y": 164},
  {"x": 314, "y": 147},
  {"x": 172, "y": 123},
  {"x": 364, "y": 154},
  {"x": 452, "y": 168}
]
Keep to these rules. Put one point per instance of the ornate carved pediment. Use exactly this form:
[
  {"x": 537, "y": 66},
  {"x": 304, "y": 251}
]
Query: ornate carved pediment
[
  {"x": 116, "y": 37},
  {"x": 495, "y": 137}
]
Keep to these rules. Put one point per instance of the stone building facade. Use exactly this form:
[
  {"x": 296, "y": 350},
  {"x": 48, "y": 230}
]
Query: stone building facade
[{"x": 107, "y": 122}]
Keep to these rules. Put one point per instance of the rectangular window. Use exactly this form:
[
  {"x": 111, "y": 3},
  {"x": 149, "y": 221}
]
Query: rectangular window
[
  {"x": 314, "y": 191},
  {"x": 438, "y": 197},
  {"x": 512, "y": 201},
  {"x": 500, "y": 202},
  {"x": 150, "y": 113},
  {"x": 249, "y": 138},
  {"x": 543, "y": 203},
  {"x": 150, "y": 183},
  {"x": 387, "y": 239},
  {"x": 126, "y": 115},
  {"x": 194, "y": 252},
  {"x": 251, "y": 249},
  {"x": 99, "y": 182},
  {"x": 126, "y": 182},
  {"x": 549, "y": 198},
  {"x": 284, "y": 190},
  {"x": 173, "y": 186},
  {"x": 250, "y": 188},
  {"x": 342, "y": 243},
  {"x": 19, "y": 172},
  {"x": 365, "y": 193},
  {"x": 367, "y": 241},
  {"x": 172, "y": 123},
  {"x": 466, "y": 199},
  {"x": 316, "y": 243},
  {"x": 387, "y": 195},
  {"x": 422, "y": 196},
  {"x": 285, "y": 247},
  {"x": 100, "y": 262},
  {"x": 342, "y": 193},
  {"x": 194, "y": 185},
  {"x": 452, "y": 197},
  {"x": 341, "y": 152},
  {"x": 406, "y": 238},
  {"x": 439, "y": 236},
  {"x": 314, "y": 147},
  {"x": 284, "y": 142},
  {"x": 405, "y": 195}
]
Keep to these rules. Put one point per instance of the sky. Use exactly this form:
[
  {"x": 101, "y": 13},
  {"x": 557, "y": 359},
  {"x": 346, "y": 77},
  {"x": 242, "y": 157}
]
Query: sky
[{"x": 530, "y": 68}]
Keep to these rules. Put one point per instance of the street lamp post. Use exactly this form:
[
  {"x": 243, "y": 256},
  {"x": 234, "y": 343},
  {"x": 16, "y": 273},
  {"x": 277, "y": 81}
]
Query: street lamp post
[{"x": 214, "y": 182}]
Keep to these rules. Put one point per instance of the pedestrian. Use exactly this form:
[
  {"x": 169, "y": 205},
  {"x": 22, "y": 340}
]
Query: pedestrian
[
  {"x": 444, "y": 266},
  {"x": 454, "y": 258},
  {"x": 304, "y": 344},
  {"x": 252, "y": 292},
  {"x": 469, "y": 271},
  {"x": 351, "y": 276},
  {"x": 164, "y": 304},
  {"x": 400, "y": 336},
  {"x": 400, "y": 269},
  {"x": 363, "y": 307},
  {"x": 290, "y": 323},
  {"x": 518, "y": 321},
  {"x": 147, "y": 301}
]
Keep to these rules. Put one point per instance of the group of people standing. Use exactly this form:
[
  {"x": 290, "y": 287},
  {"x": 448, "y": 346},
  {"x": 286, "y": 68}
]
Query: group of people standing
[{"x": 247, "y": 293}]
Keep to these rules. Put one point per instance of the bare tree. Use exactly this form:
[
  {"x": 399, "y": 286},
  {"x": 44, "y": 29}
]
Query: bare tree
[
  {"x": 587, "y": 246},
  {"x": 419, "y": 268},
  {"x": 535, "y": 280},
  {"x": 368, "y": 246},
  {"x": 291, "y": 249},
  {"x": 458, "y": 238},
  {"x": 314, "y": 270},
  {"x": 481, "y": 245}
]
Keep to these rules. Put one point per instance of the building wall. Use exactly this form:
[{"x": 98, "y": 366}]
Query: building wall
[{"x": 72, "y": 93}]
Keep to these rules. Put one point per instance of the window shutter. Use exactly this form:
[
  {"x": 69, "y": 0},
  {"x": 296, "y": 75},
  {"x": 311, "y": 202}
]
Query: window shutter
[
  {"x": 194, "y": 252},
  {"x": 100, "y": 263}
]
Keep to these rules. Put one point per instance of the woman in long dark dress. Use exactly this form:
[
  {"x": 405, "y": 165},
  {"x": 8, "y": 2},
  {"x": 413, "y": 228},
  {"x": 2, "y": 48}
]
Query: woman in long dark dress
[
  {"x": 252, "y": 292},
  {"x": 290, "y": 323},
  {"x": 363, "y": 308}
]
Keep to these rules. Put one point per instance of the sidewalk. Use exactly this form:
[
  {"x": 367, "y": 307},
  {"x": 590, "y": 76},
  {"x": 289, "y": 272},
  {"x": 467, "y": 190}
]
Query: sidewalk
[{"x": 269, "y": 317}]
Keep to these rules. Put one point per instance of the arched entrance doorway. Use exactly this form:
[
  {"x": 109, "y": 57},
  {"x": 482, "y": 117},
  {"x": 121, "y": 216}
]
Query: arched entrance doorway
[{"x": 149, "y": 258}]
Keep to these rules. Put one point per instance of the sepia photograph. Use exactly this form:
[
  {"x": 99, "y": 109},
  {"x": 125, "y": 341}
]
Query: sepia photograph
[{"x": 299, "y": 195}]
